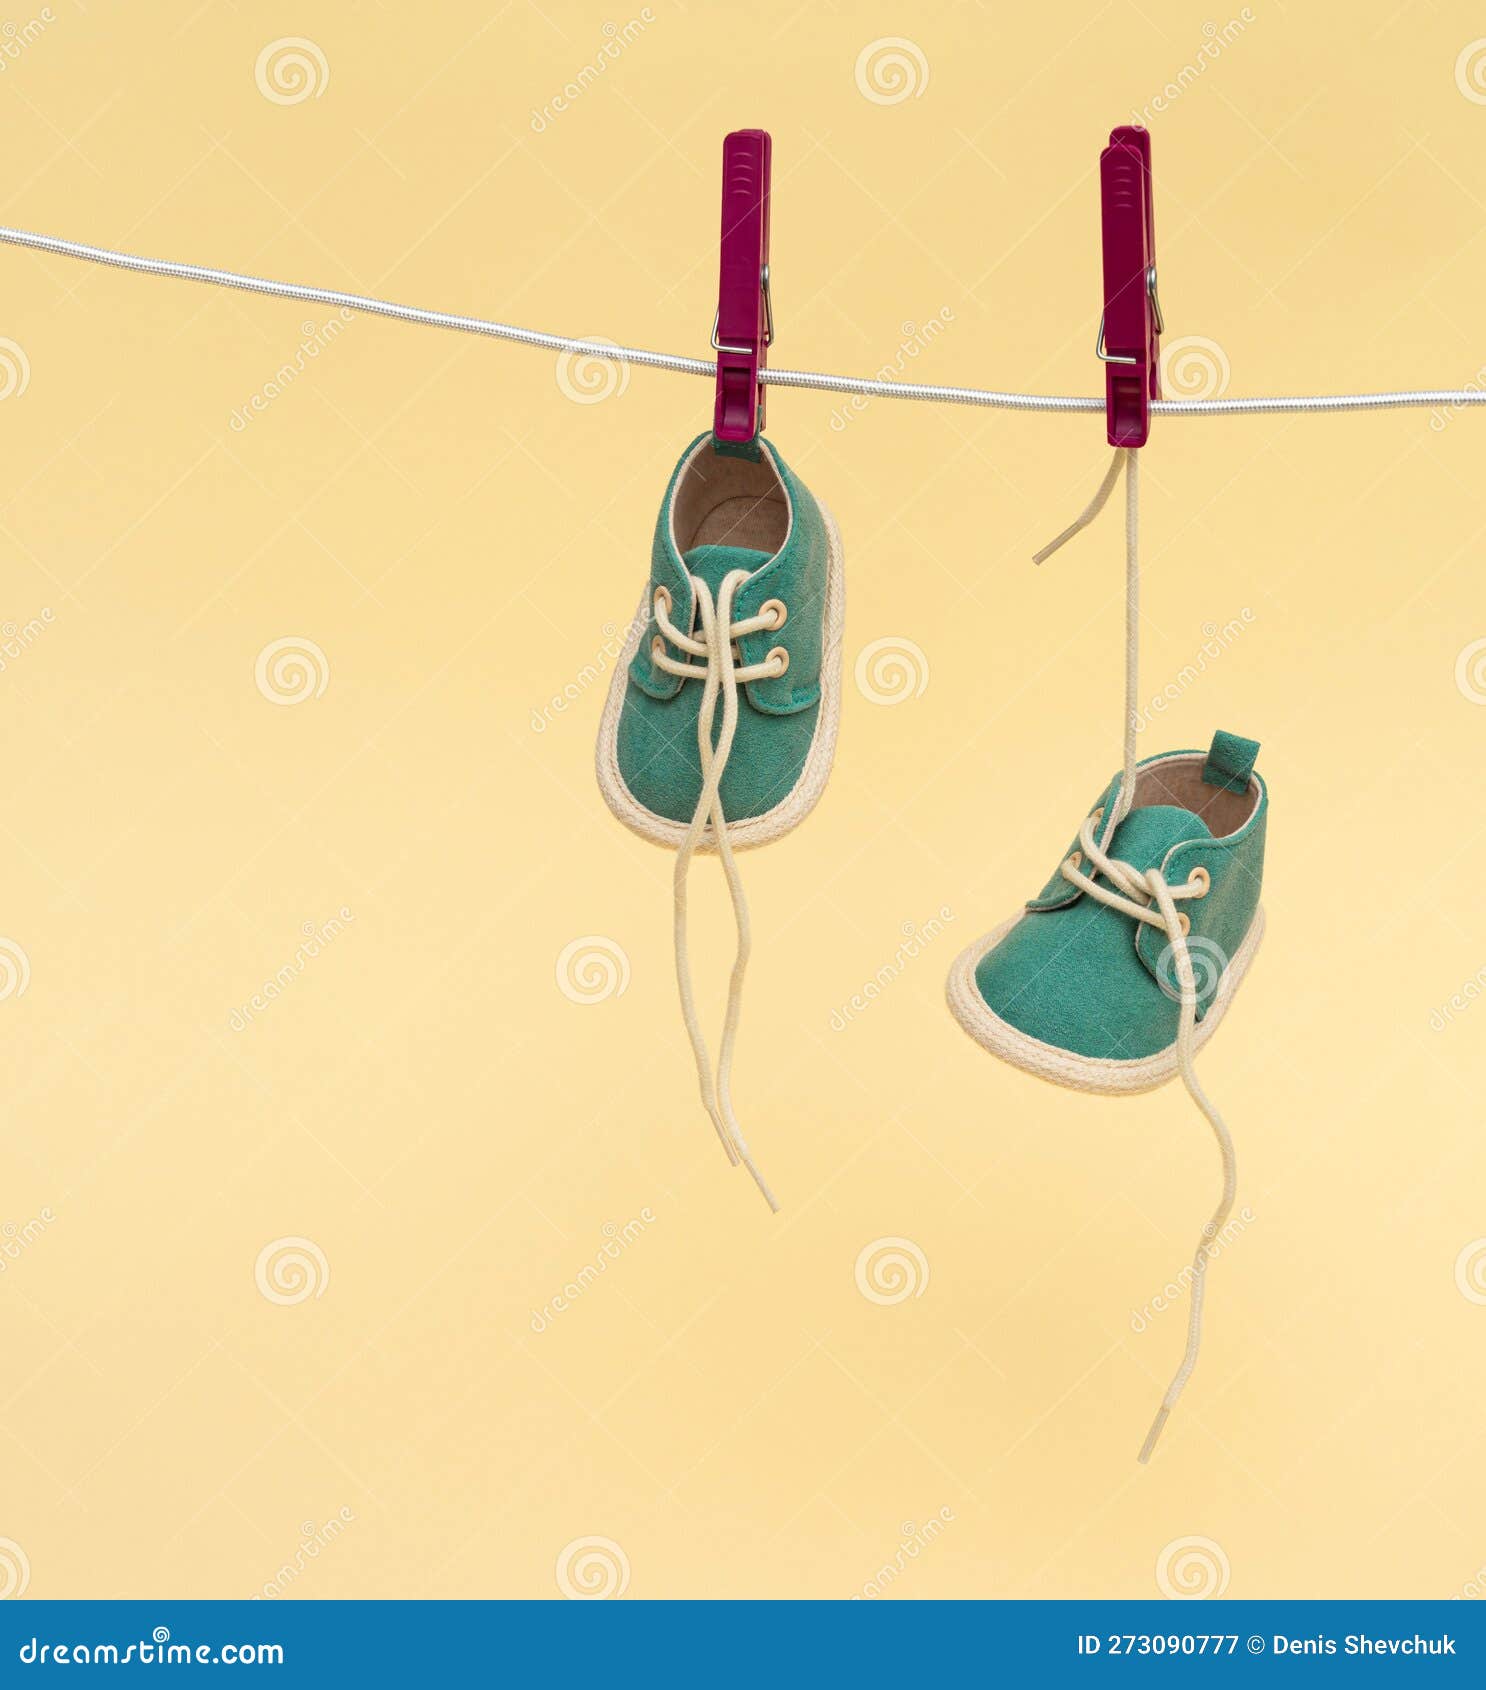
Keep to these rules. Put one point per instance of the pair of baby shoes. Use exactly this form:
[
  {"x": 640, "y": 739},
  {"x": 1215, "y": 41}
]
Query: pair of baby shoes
[{"x": 718, "y": 734}]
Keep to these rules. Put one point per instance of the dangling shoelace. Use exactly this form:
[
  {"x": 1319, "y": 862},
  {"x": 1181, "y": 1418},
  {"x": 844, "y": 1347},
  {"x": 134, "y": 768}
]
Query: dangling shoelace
[
  {"x": 1144, "y": 895},
  {"x": 720, "y": 672}
]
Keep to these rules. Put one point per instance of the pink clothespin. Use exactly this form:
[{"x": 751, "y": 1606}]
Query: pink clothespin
[
  {"x": 744, "y": 326},
  {"x": 1130, "y": 329}
]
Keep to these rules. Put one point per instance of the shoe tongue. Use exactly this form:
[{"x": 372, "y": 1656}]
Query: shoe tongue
[
  {"x": 1147, "y": 834},
  {"x": 714, "y": 563}
]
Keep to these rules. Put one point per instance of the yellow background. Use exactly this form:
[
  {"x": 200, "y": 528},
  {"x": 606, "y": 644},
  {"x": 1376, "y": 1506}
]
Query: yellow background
[{"x": 460, "y": 538}]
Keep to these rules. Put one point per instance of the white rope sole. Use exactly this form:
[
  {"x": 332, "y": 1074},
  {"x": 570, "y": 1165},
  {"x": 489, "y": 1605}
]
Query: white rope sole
[
  {"x": 805, "y": 794},
  {"x": 1108, "y": 1075}
]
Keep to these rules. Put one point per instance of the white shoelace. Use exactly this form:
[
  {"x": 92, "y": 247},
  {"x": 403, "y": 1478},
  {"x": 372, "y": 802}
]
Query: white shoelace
[
  {"x": 1144, "y": 895},
  {"x": 719, "y": 672}
]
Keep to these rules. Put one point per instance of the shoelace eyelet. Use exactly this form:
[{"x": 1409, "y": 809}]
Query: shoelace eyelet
[
  {"x": 1076, "y": 859},
  {"x": 1184, "y": 922},
  {"x": 662, "y": 600},
  {"x": 778, "y": 610},
  {"x": 783, "y": 657},
  {"x": 1200, "y": 877}
]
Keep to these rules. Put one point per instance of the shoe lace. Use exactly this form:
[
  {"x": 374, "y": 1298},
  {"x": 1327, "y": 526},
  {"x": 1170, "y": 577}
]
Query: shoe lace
[
  {"x": 1144, "y": 895},
  {"x": 720, "y": 674}
]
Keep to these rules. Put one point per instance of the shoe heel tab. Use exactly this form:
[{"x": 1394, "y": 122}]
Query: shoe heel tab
[{"x": 1230, "y": 762}]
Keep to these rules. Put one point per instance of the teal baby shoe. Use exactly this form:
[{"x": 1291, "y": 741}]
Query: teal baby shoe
[
  {"x": 720, "y": 724},
  {"x": 1082, "y": 986}
]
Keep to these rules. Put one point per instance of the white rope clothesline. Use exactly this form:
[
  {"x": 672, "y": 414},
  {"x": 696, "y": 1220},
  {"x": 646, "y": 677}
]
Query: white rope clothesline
[{"x": 990, "y": 398}]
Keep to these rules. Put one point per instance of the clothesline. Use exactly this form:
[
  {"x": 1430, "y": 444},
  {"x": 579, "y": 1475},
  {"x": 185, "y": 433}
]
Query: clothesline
[{"x": 991, "y": 398}]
